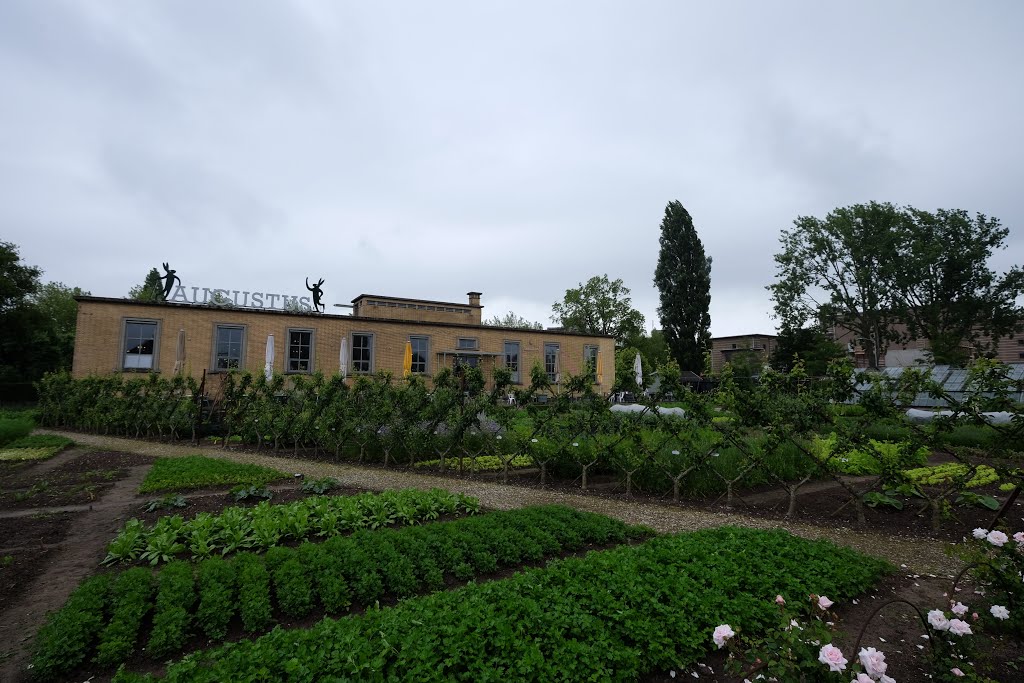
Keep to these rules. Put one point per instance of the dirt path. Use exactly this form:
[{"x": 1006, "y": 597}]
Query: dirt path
[
  {"x": 77, "y": 557},
  {"x": 920, "y": 555}
]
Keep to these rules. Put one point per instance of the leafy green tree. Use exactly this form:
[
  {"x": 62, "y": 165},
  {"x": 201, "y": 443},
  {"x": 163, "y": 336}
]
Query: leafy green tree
[
  {"x": 683, "y": 279},
  {"x": 871, "y": 266},
  {"x": 510, "y": 319},
  {"x": 19, "y": 318},
  {"x": 151, "y": 288},
  {"x": 58, "y": 309},
  {"x": 840, "y": 269},
  {"x": 807, "y": 344},
  {"x": 945, "y": 291},
  {"x": 653, "y": 349},
  {"x": 601, "y": 306}
]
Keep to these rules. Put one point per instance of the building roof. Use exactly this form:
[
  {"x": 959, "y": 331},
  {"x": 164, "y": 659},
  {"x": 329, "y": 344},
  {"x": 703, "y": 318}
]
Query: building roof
[
  {"x": 746, "y": 336},
  {"x": 313, "y": 314},
  {"x": 461, "y": 304}
]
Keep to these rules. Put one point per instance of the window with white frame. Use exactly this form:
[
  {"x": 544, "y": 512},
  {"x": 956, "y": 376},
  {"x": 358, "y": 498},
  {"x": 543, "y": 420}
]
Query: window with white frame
[
  {"x": 362, "y": 352},
  {"x": 140, "y": 344},
  {"x": 300, "y": 351},
  {"x": 420, "y": 351},
  {"x": 227, "y": 347},
  {"x": 512, "y": 359},
  {"x": 551, "y": 361}
]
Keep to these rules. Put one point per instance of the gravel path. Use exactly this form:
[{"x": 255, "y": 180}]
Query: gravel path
[{"x": 923, "y": 556}]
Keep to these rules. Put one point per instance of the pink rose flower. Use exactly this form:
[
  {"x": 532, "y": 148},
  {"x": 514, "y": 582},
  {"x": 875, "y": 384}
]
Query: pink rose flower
[
  {"x": 1019, "y": 537},
  {"x": 956, "y": 671},
  {"x": 974, "y": 616},
  {"x": 1000, "y": 612},
  {"x": 959, "y": 628},
  {"x": 722, "y": 633},
  {"x": 779, "y": 600},
  {"x": 959, "y": 609},
  {"x": 873, "y": 662},
  {"x": 824, "y": 603},
  {"x": 863, "y": 678},
  {"x": 832, "y": 656},
  {"x": 997, "y": 538},
  {"x": 938, "y": 620},
  {"x": 980, "y": 533}
]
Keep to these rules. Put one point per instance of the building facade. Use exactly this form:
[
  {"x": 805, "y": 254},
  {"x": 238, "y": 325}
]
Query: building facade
[
  {"x": 123, "y": 335},
  {"x": 724, "y": 349},
  {"x": 915, "y": 351}
]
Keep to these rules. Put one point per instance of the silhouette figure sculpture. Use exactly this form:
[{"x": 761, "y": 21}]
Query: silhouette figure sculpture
[
  {"x": 317, "y": 293},
  {"x": 169, "y": 279}
]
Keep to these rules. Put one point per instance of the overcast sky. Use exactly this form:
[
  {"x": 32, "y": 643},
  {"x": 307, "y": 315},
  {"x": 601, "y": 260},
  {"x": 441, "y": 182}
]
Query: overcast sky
[{"x": 425, "y": 149}]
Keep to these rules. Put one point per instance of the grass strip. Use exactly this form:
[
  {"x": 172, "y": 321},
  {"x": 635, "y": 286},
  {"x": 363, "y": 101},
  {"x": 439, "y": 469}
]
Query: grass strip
[
  {"x": 613, "y": 615},
  {"x": 197, "y": 471}
]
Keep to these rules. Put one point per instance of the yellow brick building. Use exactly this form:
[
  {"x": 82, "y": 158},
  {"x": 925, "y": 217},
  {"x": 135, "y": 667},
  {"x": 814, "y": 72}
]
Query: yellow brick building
[{"x": 123, "y": 335}]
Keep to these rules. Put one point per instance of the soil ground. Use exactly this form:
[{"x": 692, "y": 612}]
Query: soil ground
[{"x": 48, "y": 564}]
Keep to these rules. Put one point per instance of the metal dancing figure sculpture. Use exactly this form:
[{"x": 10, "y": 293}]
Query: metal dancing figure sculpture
[
  {"x": 169, "y": 279},
  {"x": 317, "y": 293}
]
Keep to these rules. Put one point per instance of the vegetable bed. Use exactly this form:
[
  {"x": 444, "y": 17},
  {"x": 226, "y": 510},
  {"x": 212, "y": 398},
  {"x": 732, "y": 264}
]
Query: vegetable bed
[
  {"x": 611, "y": 615},
  {"x": 265, "y": 525},
  {"x": 363, "y": 568}
]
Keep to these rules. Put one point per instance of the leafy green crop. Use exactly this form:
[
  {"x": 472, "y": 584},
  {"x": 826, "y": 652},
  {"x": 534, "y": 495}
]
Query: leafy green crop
[
  {"x": 68, "y": 637},
  {"x": 613, "y": 615},
  {"x": 197, "y": 471},
  {"x": 263, "y": 526},
  {"x": 364, "y": 568},
  {"x": 940, "y": 475}
]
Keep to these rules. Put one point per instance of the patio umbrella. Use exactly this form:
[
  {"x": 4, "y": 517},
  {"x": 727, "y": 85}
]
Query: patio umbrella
[
  {"x": 343, "y": 358},
  {"x": 179, "y": 354},
  {"x": 638, "y": 371},
  {"x": 407, "y": 359},
  {"x": 600, "y": 370},
  {"x": 268, "y": 370}
]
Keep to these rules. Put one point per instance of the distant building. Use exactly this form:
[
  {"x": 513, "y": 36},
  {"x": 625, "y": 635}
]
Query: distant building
[
  {"x": 724, "y": 349},
  {"x": 914, "y": 352}
]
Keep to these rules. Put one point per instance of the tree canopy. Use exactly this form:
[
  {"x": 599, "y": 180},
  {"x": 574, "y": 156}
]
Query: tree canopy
[
  {"x": 151, "y": 288},
  {"x": 510, "y": 319},
  {"x": 601, "y": 306},
  {"x": 871, "y": 267},
  {"x": 37, "y": 321},
  {"x": 808, "y": 345},
  {"x": 683, "y": 279}
]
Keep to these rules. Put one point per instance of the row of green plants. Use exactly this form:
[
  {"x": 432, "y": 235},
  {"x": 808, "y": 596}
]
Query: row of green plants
[
  {"x": 611, "y": 615},
  {"x": 771, "y": 436},
  {"x": 106, "y": 616},
  {"x": 34, "y": 447},
  {"x": 265, "y": 525}
]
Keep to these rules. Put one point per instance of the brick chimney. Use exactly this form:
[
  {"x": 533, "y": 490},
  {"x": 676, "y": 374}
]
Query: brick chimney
[{"x": 476, "y": 314}]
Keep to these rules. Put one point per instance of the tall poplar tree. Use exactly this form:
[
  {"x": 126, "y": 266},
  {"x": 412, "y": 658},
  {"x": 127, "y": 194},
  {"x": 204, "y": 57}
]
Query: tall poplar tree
[{"x": 683, "y": 279}]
